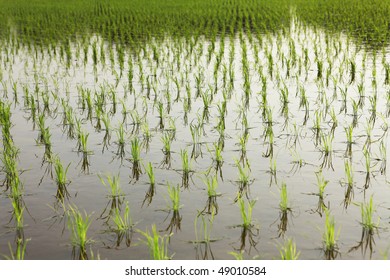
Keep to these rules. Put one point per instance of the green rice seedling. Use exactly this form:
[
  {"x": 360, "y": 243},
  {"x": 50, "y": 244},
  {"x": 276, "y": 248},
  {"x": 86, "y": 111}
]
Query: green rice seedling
[
  {"x": 238, "y": 256},
  {"x": 352, "y": 70},
  {"x": 17, "y": 212},
  {"x": 157, "y": 244},
  {"x": 330, "y": 237},
  {"x": 218, "y": 158},
  {"x": 83, "y": 148},
  {"x": 355, "y": 108},
  {"x": 78, "y": 225},
  {"x": 284, "y": 204},
  {"x": 242, "y": 143},
  {"x": 383, "y": 152},
  {"x": 174, "y": 196},
  {"x": 373, "y": 101},
  {"x": 367, "y": 211},
  {"x": 207, "y": 98},
  {"x": 203, "y": 243},
  {"x": 349, "y": 134},
  {"x": 61, "y": 179},
  {"x": 288, "y": 251},
  {"x": 152, "y": 182},
  {"x": 349, "y": 182},
  {"x": 249, "y": 230},
  {"x": 123, "y": 226},
  {"x": 107, "y": 130},
  {"x": 367, "y": 160},
  {"x": 136, "y": 121},
  {"x": 212, "y": 194},
  {"x": 269, "y": 135},
  {"x": 20, "y": 252},
  {"x": 284, "y": 210},
  {"x": 196, "y": 132},
  {"x": 147, "y": 135},
  {"x": 244, "y": 180},
  {"x": 369, "y": 228},
  {"x": 317, "y": 125},
  {"x": 116, "y": 195},
  {"x": 321, "y": 183},
  {"x": 136, "y": 158},
  {"x": 186, "y": 168},
  {"x": 368, "y": 128},
  {"x": 167, "y": 140},
  {"x": 120, "y": 132},
  {"x": 161, "y": 114},
  {"x": 327, "y": 151}
]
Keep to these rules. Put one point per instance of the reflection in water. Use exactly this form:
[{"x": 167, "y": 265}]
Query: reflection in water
[
  {"x": 175, "y": 222},
  {"x": 203, "y": 242},
  {"x": 149, "y": 195},
  {"x": 282, "y": 226},
  {"x": 248, "y": 238},
  {"x": 366, "y": 242}
]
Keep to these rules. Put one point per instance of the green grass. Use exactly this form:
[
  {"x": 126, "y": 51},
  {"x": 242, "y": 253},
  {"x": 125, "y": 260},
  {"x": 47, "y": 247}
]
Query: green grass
[
  {"x": 61, "y": 178},
  {"x": 78, "y": 225},
  {"x": 288, "y": 251},
  {"x": 157, "y": 244},
  {"x": 330, "y": 237}
]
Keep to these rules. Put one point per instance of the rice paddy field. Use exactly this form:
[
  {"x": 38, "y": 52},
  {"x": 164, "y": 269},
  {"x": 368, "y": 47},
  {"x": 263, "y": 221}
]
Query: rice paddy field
[{"x": 219, "y": 129}]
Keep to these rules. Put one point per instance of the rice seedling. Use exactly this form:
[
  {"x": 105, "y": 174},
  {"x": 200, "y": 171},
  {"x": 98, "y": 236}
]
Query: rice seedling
[
  {"x": 157, "y": 244},
  {"x": 196, "y": 132},
  {"x": 288, "y": 251},
  {"x": 249, "y": 229},
  {"x": 369, "y": 228},
  {"x": 61, "y": 179},
  {"x": 167, "y": 140},
  {"x": 20, "y": 251},
  {"x": 186, "y": 168},
  {"x": 327, "y": 151},
  {"x": 136, "y": 158},
  {"x": 212, "y": 194},
  {"x": 244, "y": 180},
  {"x": 116, "y": 195},
  {"x": 383, "y": 152},
  {"x": 203, "y": 243},
  {"x": 330, "y": 237},
  {"x": 367, "y": 160},
  {"x": 349, "y": 182},
  {"x": 83, "y": 148},
  {"x": 122, "y": 226},
  {"x": 349, "y": 134},
  {"x": 284, "y": 210},
  {"x": 174, "y": 196},
  {"x": 78, "y": 225},
  {"x": 152, "y": 182},
  {"x": 218, "y": 158},
  {"x": 120, "y": 132}
]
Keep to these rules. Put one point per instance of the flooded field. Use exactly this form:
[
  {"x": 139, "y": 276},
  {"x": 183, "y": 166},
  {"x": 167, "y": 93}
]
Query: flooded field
[{"x": 254, "y": 145}]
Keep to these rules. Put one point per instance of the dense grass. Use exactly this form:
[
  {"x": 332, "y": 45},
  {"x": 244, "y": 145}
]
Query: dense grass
[
  {"x": 125, "y": 21},
  {"x": 128, "y": 21}
]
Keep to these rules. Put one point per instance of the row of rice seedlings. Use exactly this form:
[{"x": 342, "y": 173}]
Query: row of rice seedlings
[{"x": 12, "y": 182}]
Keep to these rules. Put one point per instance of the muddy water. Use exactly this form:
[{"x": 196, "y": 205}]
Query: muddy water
[{"x": 45, "y": 225}]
